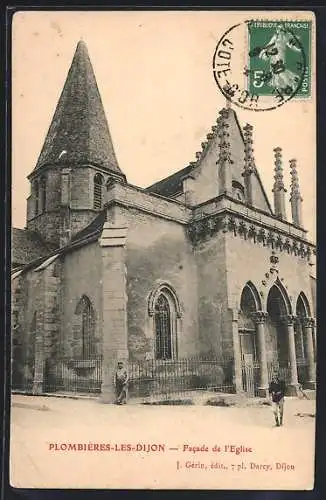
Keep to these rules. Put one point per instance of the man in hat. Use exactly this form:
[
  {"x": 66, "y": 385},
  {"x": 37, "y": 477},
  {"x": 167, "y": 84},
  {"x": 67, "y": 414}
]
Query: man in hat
[
  {"x": 277, "y": 392},
  {"x": 121, "y": 384}
]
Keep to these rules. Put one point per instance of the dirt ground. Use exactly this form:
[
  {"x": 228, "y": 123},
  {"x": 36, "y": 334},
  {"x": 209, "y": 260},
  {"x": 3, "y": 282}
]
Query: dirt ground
[{"x": 155, "y": 446}]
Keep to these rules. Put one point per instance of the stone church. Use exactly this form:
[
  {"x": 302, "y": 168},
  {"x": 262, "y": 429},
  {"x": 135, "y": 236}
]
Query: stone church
[{"x": 198, "y": 265}]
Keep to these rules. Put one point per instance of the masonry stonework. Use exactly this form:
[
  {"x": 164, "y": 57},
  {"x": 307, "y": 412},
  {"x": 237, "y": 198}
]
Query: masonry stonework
[{"x": 197, "y": 265}]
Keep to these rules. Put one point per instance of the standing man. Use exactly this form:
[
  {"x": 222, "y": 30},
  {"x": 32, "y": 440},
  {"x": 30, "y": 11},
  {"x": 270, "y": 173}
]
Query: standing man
[
  {"x": 277, "y": 392},
  {"x": 121, "y": 380}
]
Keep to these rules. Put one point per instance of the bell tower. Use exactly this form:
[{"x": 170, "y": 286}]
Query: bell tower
[{"x": 76, "y": 161}]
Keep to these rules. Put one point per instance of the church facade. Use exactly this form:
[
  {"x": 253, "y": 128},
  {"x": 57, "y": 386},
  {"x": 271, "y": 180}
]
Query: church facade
[{"x": 197, "y": 265}]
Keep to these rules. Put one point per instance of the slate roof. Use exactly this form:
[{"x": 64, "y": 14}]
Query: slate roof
[
  {"x": 79, "y": 131},
  {"x": 27, "y": 246},
  {"x": 170, "y": 185}
]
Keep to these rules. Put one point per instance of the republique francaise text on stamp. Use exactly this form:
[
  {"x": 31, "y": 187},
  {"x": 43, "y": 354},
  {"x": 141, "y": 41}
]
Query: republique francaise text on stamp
[{"x": 260, "y": 65}]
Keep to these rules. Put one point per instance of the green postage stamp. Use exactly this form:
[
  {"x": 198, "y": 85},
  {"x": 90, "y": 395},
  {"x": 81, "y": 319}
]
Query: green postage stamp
[{"x": 273, "y": 64}]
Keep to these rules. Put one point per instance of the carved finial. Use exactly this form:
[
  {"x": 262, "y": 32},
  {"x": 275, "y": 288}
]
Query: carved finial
[
  {"x": 224, "y": 113},
  {"x": 295, "y": 195},
  {"x": 295, "y": 188},
  {"x": 224, "y": 145},
  {"x": 198, "y": 155},
  {"x": 278, "y": 170},
  {"x": 249, "y": 161}
]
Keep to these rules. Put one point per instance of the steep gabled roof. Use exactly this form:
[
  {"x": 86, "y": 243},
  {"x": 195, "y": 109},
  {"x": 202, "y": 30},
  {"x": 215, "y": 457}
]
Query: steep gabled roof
[
  {"x": 79, "y": 131},
  {"x": 27, "y": 246}
]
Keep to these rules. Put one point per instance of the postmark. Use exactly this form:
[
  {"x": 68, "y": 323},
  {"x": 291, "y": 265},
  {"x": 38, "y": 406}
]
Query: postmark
[{"x": 261, "y": 65}]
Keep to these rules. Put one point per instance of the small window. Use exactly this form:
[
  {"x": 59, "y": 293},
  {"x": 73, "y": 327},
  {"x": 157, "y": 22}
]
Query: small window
[
  {"x": 98, "y": 187},
  {"x": 36, "y": 197},
  {"x": 43, "y": 194}
]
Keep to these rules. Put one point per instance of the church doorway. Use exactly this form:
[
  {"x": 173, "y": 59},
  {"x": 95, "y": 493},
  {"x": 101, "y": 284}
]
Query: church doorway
[
  {"x": 249, "y": 304},
  {"x": 278, "y": 308},
  {"x": 301, "y": 338}
]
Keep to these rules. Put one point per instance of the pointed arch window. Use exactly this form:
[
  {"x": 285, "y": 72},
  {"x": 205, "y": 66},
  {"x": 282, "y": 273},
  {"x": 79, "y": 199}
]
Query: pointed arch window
[
  {"x": 164, "y": 308},
  {"x": 86, "y": 334},
  {"x": 42, "y": 197},
  {"x": 163, "y": 328},
  {"x": 98, "y": 191}
]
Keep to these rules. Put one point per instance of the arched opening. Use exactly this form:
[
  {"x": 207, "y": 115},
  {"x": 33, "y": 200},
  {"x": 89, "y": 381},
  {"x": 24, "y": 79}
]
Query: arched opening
[
  {"x": 36, "y": 197},
  {"x": 278, "y": 306},
  {"x": 42, "y": 197},
  {"x": 249, "y": 303},
  {"x": 98, "y": 191},
  {"x": 164, "y": 309},
  {"x": 300, "y": 335},
  {"x": 238, "y": 191},
  {"x": 84, "y": 345}
]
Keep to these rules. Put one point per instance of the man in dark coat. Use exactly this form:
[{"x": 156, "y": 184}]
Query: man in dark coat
[
  {"x": 277, "y": 392},
  {"x": 121, "y": 380}
]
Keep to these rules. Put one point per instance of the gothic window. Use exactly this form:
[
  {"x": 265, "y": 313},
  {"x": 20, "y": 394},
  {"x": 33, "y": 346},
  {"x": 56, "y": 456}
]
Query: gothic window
[
  {"x": 98, "y": 186},
  {"x": 163, "y": 328},
  {"x": 36, "y": 197},
  {"x": 238, "y": 191},
  {"x": 85, "y": 313},
  {"x": 43, "y": 194}
]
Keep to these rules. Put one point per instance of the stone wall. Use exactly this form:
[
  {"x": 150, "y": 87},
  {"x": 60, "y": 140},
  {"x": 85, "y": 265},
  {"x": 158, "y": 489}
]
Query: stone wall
[
  {"x": 158, "y": 251},
  {"x": 36, "y": 309},
  {"x": 212, "y": 294},
  {"x": 82, "y": 275}
]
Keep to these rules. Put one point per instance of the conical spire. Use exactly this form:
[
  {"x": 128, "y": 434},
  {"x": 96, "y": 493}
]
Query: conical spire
[
  {"x": 79, "y": 132},
  {"x": 295, "y": 195}
]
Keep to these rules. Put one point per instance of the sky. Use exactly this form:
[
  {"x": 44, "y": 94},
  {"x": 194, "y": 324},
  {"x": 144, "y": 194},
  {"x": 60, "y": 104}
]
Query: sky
[{"x": 154, "y": 73}]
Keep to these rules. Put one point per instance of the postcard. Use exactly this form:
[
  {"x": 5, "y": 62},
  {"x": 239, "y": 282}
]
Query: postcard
[{"x": 163, "y": 307}]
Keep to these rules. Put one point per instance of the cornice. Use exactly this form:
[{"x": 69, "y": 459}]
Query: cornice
[{"x": 255, "y": 232}]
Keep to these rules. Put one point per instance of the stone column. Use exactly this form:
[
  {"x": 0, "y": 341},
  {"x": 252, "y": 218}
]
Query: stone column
[
  {"x": 236, "y": 351},
  {"x": 260, "y": 319},
  {"x": 38, "y": 365},
  {"x": 292, "y": 386},
  {"x": 114, "y": 306},
  {"x": 308, "y": 324},
  {"x": 315, "y": 341}
]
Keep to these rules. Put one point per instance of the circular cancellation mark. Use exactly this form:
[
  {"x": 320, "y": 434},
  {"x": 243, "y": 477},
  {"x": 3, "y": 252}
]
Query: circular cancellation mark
[{"x": 259, "y": 66}]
